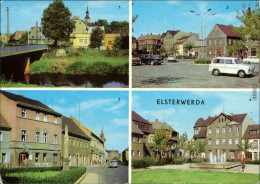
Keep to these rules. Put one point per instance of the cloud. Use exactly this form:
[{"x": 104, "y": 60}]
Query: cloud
[
  {"x": 119, "y": 105},
  {"x": 121, "y": 122},
  {"x": 173, "y": 2},
  {"x": 61, "y": 100},
  {"x": 135, "y": 101}
]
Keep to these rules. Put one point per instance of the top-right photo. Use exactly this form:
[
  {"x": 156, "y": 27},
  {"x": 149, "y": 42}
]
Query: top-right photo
[{"x": 195, "y": 44}]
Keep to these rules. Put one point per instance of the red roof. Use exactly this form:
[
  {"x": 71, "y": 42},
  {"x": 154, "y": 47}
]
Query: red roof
[
  {"x": 248, "y": 133},
  {"x": 202, "y": 133},
  {"x": 238, "y": 117},
  {"x": 173, "y": 32},
  {"x": 19, "y": 32},
  {"x": 141, "y": 123},
  {"x": 228, "y": 31}
]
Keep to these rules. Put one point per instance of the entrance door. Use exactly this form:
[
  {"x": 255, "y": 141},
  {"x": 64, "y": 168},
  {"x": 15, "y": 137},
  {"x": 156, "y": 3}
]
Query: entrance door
[{"x": 22, "y": 158}]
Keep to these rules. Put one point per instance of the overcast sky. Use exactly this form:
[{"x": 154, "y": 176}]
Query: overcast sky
[
  {"x": 97, "y": 109},
  {"x": 24, "y": 14},
  {"x": 182, "y": 118},
  {"x": 159, "y": 16}
]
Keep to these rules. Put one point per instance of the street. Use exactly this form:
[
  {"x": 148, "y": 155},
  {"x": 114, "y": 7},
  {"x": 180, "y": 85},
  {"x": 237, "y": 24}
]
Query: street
[
  {"x": 103, "y": 174},
  {"x": 185, "y": 74}
]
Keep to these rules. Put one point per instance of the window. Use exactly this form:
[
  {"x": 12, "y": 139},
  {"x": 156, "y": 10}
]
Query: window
[
  {"x": 4, "y": 158},
  {"x": 209, "y": 42},
  {"x": 253, "y": 132},
  {"x": 23, "y": 135},
  {"x": 230, "y": 141},
  {"x": 36, "y": 157},
  {"x": 133, "y": 152},
  {"x": 223, "y": 141},
  {"x": 85, "y": 41},
  {"x": 55, "y": 120},
  {"x": 139, "y": 140},
  {"x": 237, "y": 128},
  {"x": 45, "y": 137},
  {"x": 37, "y": 136},
  {"x": 55, "y": 157},
  {"x": 209, "y": 141},
  {"x": 80, "y": 41},
  {"x": 73, "y": 159},
  {"x": 23, "y": 113},
  {"x": 255, "y": 145},
  {"x": 133, "y": 139},
  {"x": 139, "y": 153},
  {"x": 217, "y": 141},
  {"x": 44, "y": 157},
  {"x": 1, "y": 136},
  {"x": 228, "y": 61},
  {"x": 230, "y": 128},
  {"x": 215, "y": 42},
  {"x": 224, "y": 129},
  {"x": 210, "y": 130},
  {"x": 55, "y": 139},
  {"x": 229, "y": 41},
  {"x": 217, "y": 130},
  {"x": 236, "y": 141},
  {"x": 151, "y": 138},
  {"x": 45, "y": 118},
  {"x": 37, "y": 116},
  {"x": 209, "y": 52}
]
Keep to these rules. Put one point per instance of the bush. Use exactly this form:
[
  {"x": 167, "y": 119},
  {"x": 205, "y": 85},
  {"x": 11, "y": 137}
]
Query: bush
[
  {"x": 202, "y": 61},
  {"x": 150, "y": 161},
  {"x": 178, "y": 161},
  {"x": 162, "y": 162},
  {"x": 5, "y": 171},
  {"x": 121, "y": 69},
  {"x": 137, "y": 164},
  {"x": 76, "y": 67},
  {"x": 253, "y": 162},
  {"x": 70, "y": 176},
  {"x": 100, "y": 68}
]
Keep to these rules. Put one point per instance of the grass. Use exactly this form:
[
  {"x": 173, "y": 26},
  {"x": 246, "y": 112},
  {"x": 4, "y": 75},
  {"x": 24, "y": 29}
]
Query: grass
[
  {"x": 187, "y": 176},
  {"x": 39, "y": 175},
  {"x": 83, "y": 61}
]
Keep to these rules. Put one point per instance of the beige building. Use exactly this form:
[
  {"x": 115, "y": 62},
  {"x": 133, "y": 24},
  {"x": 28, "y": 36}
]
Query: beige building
[
  {"x": 188, "y": 38},
  {"x": 170, "y": 38},
  {"x": 35, "y": 136}
]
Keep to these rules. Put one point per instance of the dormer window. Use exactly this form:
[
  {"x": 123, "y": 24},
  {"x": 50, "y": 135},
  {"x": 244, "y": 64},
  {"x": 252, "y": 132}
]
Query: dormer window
[
  {"x": 23, "y": 113},
  {"x": 253, "y": 132}
]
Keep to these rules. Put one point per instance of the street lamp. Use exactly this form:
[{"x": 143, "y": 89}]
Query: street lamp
[{"x": 205, "y": 28}]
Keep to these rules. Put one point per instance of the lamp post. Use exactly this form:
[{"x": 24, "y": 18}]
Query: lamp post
[{"x": 203, "y": 16}]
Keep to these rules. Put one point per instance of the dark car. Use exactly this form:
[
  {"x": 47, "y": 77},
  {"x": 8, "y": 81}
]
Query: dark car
[
  {"x": 136, "y": 61},
  {"x": 150, "y": 59}
]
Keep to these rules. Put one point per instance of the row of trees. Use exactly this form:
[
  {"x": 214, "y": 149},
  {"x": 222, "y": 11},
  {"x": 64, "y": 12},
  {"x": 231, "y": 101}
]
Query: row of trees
[{"x": 114, "y": 26}]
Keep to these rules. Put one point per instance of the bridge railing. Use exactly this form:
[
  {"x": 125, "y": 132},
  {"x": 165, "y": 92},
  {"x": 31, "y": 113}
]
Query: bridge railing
[{"x": 21, "y": 48}]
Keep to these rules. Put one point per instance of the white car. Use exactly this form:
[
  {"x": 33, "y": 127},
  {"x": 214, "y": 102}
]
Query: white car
[
  {"x": 251, "y": 59},
  {"x": 171, "y": 58},
  {"x": 230, "y": 65},
  {"x": 113, "y": 163}
]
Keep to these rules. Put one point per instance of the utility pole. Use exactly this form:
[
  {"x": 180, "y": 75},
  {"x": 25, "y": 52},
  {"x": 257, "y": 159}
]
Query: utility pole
[
  {"x": 36, "y": 32},
  {"x": 8, "y": 31}
]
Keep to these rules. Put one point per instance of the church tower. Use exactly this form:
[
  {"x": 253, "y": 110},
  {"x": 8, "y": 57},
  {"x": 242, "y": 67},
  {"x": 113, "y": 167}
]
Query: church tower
[{"x": 87, "y": 18}]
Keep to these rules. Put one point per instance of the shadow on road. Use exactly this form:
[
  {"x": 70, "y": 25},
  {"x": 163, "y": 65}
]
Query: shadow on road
[{"x": 162, "y": 80}]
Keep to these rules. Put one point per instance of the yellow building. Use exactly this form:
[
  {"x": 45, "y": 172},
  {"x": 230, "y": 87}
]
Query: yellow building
[
  {"x": 5, "y": 38},
  {"x": 81, "y": 40},
  {"x": 109, "y": 40}
]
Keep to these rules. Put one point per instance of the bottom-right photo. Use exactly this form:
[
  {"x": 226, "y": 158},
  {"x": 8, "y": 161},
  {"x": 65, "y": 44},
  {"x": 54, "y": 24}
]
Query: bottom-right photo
[{"x": 195, "y": 137}]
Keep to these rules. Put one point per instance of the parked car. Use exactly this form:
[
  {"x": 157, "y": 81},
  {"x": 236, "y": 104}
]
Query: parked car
[
  {"x": 171, "y": 58},
  {"x": 251, "y": 59},
  {"x": 150, "y": 59},
  {"x": 230, "y": 65},
  {"x": 113, "y": 163},
  {"x": 136, "y": 61}
]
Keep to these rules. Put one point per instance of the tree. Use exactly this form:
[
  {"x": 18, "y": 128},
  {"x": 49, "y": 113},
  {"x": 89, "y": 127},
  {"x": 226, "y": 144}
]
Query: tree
[
  {"x": 12, "y": 39},
  {"x": 56, "y": 22},
  {"x": 188, "y": 46},
  {"x": 244, "y": 146},
  {"x": 24, "y": 38},
  {"x": 102, "y": 22},
  {"x": 96, "y": 38},
  {"x": 162, "y": 50},
  {"x": 144, "y": 50},
  {"x": 121, "y": 42},
  {"x": 200, "y": 146},
  {"x": 161, "y": 142},
  {"x": 174, "y": 49},
  {"x": 235, "y": 48},
  {"x": 183, "y": 144},
  {"x": 154, "y": 49},
  {"x": 191, "y": 147}
]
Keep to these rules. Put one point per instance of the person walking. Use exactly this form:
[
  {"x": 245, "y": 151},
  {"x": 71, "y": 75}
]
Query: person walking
[{"x": 243, "y": 163}]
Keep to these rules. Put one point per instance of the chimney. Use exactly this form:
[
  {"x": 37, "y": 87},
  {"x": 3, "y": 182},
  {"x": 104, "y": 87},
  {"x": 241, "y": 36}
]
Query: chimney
[
  {"x": 156, "y": 120},
  {"x": 231, "y": 114},
  {"x": 151, "y": 33}
]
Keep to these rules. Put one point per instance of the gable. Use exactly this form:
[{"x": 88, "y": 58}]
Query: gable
[{"x": 216, "y": 32}]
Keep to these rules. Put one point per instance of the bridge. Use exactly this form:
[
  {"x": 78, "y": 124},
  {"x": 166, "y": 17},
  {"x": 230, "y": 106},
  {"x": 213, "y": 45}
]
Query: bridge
[
  {"x": 20, "y": 49},
  {"x": 12, "y": 57}
]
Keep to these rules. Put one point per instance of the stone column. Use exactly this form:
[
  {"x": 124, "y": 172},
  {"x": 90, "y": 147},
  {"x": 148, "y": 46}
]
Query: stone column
[
  {"x": 27, "y": 65},
  {"x": 66, "y": 159}
]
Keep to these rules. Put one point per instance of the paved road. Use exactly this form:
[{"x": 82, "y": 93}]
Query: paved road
[
  {"x": 106, "y": 175},
  {"x": 185, "y": 74}
]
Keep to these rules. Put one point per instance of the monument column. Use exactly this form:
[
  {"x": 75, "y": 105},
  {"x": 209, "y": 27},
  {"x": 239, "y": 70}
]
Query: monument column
[{"x": 66, "y": 159}]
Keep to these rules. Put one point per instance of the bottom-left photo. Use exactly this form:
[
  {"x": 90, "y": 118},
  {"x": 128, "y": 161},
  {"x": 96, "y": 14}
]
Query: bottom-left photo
[{"x": 64, "y": 136}]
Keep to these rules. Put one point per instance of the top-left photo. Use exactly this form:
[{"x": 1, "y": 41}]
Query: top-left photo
[{"x": 64, "y": 44}]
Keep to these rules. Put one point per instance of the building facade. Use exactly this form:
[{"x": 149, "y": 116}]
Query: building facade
[
  {"x": 223, "y": 133},
  {"x": 5, "y": 132},
  {"x": 147, "y": 42},
  {"x": 188, "y": 38},
  {"x": 137, "y": 143},
  {"x": 170, "y": 38},
  {"x": 35, "y": 136}
]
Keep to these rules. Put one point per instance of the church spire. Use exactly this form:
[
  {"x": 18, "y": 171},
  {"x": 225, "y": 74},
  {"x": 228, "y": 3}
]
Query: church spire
[{"x": 87, "y": 18}]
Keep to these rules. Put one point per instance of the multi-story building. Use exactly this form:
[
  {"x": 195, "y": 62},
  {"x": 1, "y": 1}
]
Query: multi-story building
[
  {"x": 199, "y": 48},
  {"x": 78, "y": 145},
  {"x": 5, "y": 131},
  {"x": 113, "y": 155},
  {"x": 35, "y": 135},
  {"x": 170, "y": 38},
  {"x": 173, "y": 138},
  {"x": 37, "y": 37},
  {"x": 147, "y": 42},
  {"x": 125, "y": 155},
  {"x": 109, "y": 40},
  {"x": 148, "y": 134},
  {"x": 223, "y": 133},
  {"x": 137, "y": 143},
  {"x": 252, "y": 133},
  {"x": 219, "y": 39},
  {"x": 188, "y": 38}
]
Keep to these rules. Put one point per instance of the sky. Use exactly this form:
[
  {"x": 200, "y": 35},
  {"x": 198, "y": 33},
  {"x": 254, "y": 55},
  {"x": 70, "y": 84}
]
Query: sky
[
  {"x": 97, "y": 109},
  {"x": 24, "y": 14},
  {"x": 159, "y": 16},
  {"x": 182, "y": 118}
]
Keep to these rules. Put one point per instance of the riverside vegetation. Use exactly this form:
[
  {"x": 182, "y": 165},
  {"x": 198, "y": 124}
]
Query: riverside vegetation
[{"x": 82, "y": 61}]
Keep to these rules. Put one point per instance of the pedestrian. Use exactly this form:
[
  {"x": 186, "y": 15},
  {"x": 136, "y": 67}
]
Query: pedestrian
[{"x": 243, "y": 163}]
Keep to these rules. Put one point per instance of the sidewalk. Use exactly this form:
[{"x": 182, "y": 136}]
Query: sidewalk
[{"x": 90, "y": 178}]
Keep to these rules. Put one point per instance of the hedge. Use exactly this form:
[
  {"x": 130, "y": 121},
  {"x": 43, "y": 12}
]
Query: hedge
[
  {"x": 253, "y": 162},
  {"x": 70, "y": 176},
  {"x": 202, "y": 61},
  {"x": 5, "y": 170}
]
